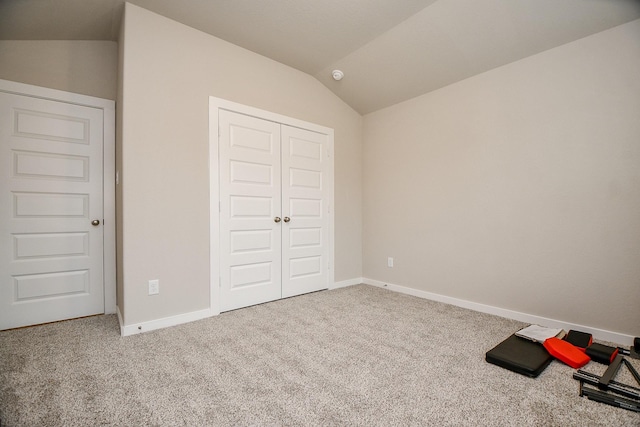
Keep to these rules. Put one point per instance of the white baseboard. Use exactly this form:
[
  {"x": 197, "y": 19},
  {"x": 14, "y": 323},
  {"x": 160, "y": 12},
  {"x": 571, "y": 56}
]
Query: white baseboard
[
  {"x": 192, "y": 316},
  {"x": 165, "y": 322},
  {"x": 600, "y": 334},
  {"x": 345, "y": 283}
]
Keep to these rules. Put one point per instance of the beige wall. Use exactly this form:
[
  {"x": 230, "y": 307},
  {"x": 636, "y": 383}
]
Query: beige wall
[
  {"x": 85, "y": 67},
  {"x": 518, "y": 188},
  {"x": 168, "y": 72}
]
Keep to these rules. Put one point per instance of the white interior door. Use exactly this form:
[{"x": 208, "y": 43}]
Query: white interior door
[
  {"x": 271, "y": 216},
  {"x": 274, "y": 222},
  {"x": 305, "y": 233},
  {"x": 51, "y": 189},
  {"x": 250, "y": 210}
]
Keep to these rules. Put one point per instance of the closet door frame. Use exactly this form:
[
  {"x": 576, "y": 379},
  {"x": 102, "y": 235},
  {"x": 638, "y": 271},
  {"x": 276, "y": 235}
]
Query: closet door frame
[{"x": 215, "y": 105}]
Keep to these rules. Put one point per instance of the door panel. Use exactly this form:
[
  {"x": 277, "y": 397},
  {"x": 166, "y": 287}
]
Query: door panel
[
  {"x": 51, "y": 261},
  {"x": 305, "y": 237},
  {"x": 250, "y": 199},
  {"x": 44, "y": 245},
  {"x": 41, "y": 286},
  {"x": 50, "y": 166}
]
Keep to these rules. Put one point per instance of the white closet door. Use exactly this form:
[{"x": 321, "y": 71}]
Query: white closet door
[
  {"x": 305, "y": 195},
  {"x": 51, "y": 189},
  {"x": 250, "y": 210}
]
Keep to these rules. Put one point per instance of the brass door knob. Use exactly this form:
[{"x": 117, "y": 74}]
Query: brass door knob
[
  {"x": 95, "y": 222},
  {"x": 276, "y": 219},
  {"x": 287, "y": 219}
]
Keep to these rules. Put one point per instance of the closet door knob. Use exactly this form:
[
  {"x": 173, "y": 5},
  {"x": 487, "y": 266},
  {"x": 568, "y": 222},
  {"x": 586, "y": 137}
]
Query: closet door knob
[
  {"x": 95, "y": 222},
  {"x": 287, "y": 219},
  {"x": 276, "y": 219}
]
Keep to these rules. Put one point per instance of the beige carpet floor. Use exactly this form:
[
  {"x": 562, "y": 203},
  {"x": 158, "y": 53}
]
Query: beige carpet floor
[{"x": 358, "y": 356}]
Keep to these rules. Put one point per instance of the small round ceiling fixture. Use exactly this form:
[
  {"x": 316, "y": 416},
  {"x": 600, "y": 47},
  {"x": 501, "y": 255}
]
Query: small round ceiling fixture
[{"x": 337, "y": 75}]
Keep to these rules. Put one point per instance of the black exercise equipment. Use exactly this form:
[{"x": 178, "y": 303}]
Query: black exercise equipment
[
  {"x": 602, "y": 353},
  {"x": 610, "y": 399},
  {"x": 520, "y": 355},
  {"x": 633, "y": 351},
  {"x": 631, "y": 399},
  {"x": 579, "y": 339}
]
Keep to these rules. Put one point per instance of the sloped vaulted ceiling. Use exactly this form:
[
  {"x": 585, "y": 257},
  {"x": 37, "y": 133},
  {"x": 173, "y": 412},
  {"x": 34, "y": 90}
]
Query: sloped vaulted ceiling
[{"x": 389, "y": 50}]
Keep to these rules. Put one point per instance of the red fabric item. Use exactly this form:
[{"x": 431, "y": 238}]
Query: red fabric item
[{"x": 566, "y": 352}]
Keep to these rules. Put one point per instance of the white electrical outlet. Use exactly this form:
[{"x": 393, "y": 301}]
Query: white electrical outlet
[
  {"x": 390, "y": 262},
  {"x": 154, "y": 287}
]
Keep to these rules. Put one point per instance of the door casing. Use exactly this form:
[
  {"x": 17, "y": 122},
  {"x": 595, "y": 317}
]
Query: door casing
[{"x": 109, "y": 220}]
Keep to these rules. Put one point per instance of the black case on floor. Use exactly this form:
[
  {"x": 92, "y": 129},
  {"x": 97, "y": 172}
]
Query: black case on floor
[
  {"x": 601, "y": 353},
  {"x": 579, "y": 339},
  {"x": 520, "y": 355}
]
